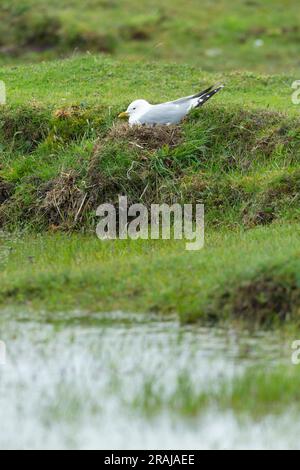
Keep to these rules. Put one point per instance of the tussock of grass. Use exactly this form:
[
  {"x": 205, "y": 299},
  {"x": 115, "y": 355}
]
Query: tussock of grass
[
  {"x": 265, "y": 300},
  {"x": 211, "y": 158},
  {"x": 23, "y": 128},
  {"x": 27, "y": 127},
  {"x": 266, "y": 296},
  {"x": 278, "y": 200},
  {"x": 63, "y": 201}
]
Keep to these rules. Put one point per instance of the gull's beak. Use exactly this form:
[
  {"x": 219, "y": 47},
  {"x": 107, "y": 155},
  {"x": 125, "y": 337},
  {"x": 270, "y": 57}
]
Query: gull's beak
[{"x": 123, "y": 115}]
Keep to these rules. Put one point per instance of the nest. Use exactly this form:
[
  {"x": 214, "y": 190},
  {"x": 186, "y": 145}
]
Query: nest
[{"x": 147, "y": 137}]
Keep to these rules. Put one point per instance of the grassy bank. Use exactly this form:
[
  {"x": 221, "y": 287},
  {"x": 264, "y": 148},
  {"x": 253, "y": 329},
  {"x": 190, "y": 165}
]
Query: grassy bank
[
  {"x": 245, "y": 277},
  {"x": 261, "y": 35},
  {"x": 92, "y": 80},
  {"x": 62, "y": 145},
  {"x": 63, "y": 153}
]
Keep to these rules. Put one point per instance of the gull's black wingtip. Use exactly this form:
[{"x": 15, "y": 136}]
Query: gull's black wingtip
[
  {"x": 204, "y": 92},
  {"x": 205, "y": 96}
]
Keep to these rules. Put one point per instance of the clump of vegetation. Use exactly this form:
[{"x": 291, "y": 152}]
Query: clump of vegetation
[
  {"x": 266, "y": 300},
  {"x": 190, "y": 163},
  {"x": 62, "y": 201},
  {"x": 241, "y": 138},
  {"x": 76, "y": 122},
  {"x": 23, "y": 128},
  {"x": 278, "y": 200}
]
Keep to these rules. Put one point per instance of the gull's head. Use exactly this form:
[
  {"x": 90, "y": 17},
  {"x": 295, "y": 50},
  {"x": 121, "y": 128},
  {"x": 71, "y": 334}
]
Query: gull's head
[{"x": 136, "y": 108}]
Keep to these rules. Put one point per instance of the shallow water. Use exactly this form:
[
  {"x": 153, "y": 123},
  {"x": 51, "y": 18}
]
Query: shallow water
[{"x": 76, "y": 384}]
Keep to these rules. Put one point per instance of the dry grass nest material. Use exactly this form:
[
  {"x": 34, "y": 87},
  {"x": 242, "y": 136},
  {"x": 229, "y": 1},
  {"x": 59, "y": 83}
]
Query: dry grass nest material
[
  {"x": 147, "y": 137},
  {"x": 63, "y": 201}
]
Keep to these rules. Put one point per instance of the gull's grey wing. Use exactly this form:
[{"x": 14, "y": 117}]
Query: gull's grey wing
[
  {"x": 167, "y": 113},
  {"x": 174, "y": 111},
  {"x": 191, "y": 97}
]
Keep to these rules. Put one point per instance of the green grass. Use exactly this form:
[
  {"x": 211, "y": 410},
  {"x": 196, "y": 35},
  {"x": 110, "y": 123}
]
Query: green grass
[
  {"x": 235, "y": 158},
  {"x": 68, "y": 272},
  {"x": 260, "y": 35},
  {"x": 95, "y": 80},
  {"x": 63, "y": 153}
]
